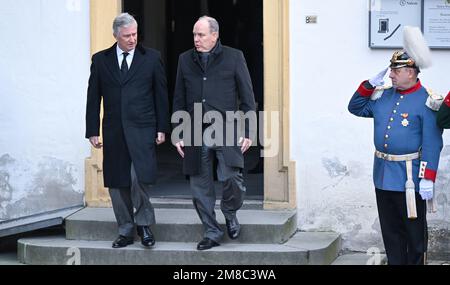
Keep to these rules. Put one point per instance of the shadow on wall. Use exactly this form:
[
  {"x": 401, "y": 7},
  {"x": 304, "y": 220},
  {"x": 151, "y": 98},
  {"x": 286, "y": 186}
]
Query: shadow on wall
[{"x": 50, "y": 185}]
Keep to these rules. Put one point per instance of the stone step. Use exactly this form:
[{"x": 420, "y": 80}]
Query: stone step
[
  {"x": 36, "y": 222},
  {"x": 303, "y": 248},
  {"x": 186, "y": 203},
  {"x": 183, "y": 225},
  {"x": 9, "y": 258}
]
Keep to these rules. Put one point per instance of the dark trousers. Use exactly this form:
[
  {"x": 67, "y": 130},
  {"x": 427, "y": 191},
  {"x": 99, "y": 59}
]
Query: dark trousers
[
  {"x": 204, "y": 196},
  {"x": 132, "y": 205},
  {"x": 405, "y": 240}
]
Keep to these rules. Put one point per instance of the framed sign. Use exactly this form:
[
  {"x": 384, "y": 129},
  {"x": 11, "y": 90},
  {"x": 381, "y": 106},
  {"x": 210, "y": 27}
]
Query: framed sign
[
  {"x": 436, "y": 23},
  {"x": 387, "y": 19}
]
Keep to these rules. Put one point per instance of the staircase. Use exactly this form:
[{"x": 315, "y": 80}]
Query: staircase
[{"x": 267, "y": 237}]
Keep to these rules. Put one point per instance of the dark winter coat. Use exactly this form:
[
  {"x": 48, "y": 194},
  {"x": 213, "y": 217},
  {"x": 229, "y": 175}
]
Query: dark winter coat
[
  {"x": 135, "y": 110},
  {"x": 224, "y": 85}
]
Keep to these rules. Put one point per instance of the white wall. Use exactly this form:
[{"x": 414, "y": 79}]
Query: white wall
[
  {"x": 44, "y": 60},
  {"x": 332, "y": 148}
]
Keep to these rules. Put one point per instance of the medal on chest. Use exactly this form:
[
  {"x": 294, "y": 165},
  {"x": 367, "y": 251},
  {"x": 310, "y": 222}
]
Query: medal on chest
[{"x": 405, "y": 121}]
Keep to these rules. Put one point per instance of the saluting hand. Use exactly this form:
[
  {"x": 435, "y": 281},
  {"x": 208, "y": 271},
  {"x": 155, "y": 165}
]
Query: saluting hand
[{"x": 378, "y": 80}]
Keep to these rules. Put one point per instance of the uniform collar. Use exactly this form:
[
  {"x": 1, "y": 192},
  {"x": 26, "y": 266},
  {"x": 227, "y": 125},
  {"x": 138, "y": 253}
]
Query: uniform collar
[{"x": 413, "y": 89}]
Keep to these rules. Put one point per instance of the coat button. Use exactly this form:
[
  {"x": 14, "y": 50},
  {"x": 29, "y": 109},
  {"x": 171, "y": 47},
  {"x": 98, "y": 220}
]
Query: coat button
[
  {"x": 386, "y": 145},
  {"x": 401, "y": 97},
  {"x": 204, "y": 100},
  {"x": 204, "y": 78},
  {"x": 392, "y": 119},
  {"x": 398, "y": 104},
  {"x": 386, "y": 136},
  {"x": 395, "y": 111},
  {"x": 389, "y": 127}
]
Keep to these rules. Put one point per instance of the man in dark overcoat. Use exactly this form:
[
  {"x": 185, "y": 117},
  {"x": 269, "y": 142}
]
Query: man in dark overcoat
[
  {"x": 214, "y": 79},
  {"x": 443, "y": 115},
  {"x": 131, "y": 81}
]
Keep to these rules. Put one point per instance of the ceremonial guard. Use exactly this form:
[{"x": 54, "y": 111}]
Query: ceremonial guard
[
  {"x": 443, "y": 116},
  {"x": 408, "y": 144}
]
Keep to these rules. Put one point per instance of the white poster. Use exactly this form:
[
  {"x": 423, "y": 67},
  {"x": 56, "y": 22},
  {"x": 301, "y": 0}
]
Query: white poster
[
  {"x": 389, "y": 17},
  {"x": 436, "y": 23}
]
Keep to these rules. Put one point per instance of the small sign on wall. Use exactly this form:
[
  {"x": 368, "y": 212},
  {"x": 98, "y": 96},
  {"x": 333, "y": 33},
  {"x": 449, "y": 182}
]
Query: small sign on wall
[
  {"x": 436, "y": 23},
  {"x": 387, "y": 18}
]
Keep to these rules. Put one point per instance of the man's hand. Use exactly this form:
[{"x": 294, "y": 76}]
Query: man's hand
[
  {"x": 180, "y": 145},
  {"x": 377, "y": 80},
  {"x": 95, "y": 142},
  {"x": 426, "y": 189},
  {"x": 161, "y": 138},
  {"x": 245, "y": 144}
]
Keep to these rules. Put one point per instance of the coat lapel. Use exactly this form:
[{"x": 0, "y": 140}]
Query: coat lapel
[
  {"x": 112, "y": 63},
  {"x": 196, "y": 59},
  {"x": 215, "y": 53},
  {"x": 138, "y": 60}
]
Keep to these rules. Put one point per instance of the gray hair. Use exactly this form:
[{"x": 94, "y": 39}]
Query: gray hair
[
  {"x": 123, "y": 20},
  {"x": 213, "y": 24}
]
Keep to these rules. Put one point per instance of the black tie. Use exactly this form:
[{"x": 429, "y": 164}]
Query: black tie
[{"x": 124, "y": 66}]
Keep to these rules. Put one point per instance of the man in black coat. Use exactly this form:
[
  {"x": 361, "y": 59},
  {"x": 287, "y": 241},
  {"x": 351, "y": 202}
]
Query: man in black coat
[
  {"x": 443, "y": 115},
  {"x": 131, "y": 81},
  {"x": 214, "y": 80}
]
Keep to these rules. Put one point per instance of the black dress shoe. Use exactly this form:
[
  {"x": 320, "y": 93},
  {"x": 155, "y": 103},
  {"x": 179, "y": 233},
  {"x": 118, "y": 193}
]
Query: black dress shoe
[
  {"x": 206, "y": 243},
  {"x": 122, "y": 241},
  {"x": 146, "y": 235},
  {"x": 233, "y": 228}
]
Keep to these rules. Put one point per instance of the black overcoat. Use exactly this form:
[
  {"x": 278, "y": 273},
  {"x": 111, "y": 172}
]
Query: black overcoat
[
  {"x": 443, "y": 115},
  {"x": 135, "y": 109},
  {"x": 224, "y": 85}
]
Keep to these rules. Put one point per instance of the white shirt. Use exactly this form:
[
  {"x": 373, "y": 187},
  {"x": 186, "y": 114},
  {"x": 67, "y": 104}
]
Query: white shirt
[{"x": 120, "y": 56}]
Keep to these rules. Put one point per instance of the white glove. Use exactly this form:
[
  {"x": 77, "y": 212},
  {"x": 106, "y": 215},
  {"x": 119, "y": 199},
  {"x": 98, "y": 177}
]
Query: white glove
[
  {"x": 377, "y": 80},
  {"x": 426, "y": 189}
]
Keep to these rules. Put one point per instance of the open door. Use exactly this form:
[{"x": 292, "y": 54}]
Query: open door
[{"x": 166, "y": 25}]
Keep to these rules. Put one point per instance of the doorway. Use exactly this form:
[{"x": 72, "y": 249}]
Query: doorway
[{"x": 166, "y": 25}]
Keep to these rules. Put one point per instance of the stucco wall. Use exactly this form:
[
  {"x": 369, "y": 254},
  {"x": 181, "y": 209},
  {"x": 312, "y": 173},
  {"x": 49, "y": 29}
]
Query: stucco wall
[
  {"x": 43, "y": 77},
  {"x": 332, "y": 148}
]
